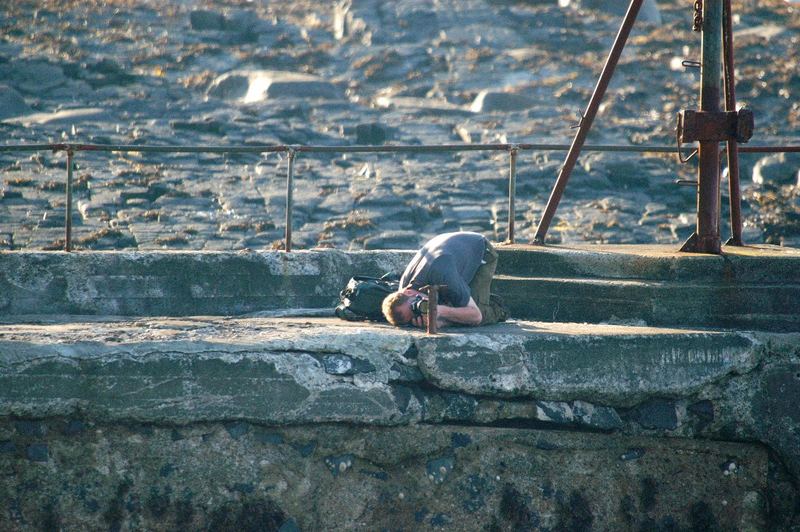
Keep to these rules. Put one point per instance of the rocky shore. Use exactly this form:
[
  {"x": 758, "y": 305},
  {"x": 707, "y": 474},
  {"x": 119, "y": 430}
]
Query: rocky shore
[{"x": 367, "y": 72}]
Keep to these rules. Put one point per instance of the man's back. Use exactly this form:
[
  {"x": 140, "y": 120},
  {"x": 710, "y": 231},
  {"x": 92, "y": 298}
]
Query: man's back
[{"x": 449, "y": 259}]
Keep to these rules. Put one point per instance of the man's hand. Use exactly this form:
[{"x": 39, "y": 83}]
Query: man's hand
[
  {"x": 422, "y": 322},
  {"x": 447, "y": 315}
]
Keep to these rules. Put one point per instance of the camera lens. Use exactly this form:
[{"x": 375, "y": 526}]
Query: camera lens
[{"x": 419, "y": 306}]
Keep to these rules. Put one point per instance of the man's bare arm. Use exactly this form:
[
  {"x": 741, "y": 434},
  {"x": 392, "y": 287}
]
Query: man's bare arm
[{"x": 469, "y": 315}]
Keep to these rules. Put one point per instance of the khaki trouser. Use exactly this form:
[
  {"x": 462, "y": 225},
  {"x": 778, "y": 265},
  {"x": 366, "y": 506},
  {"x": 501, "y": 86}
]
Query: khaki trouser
[{"x": 480, "y": 289}]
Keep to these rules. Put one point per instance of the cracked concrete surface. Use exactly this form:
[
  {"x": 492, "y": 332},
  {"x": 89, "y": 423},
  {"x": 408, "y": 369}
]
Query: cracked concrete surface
[{"x": 297, "y": 370}]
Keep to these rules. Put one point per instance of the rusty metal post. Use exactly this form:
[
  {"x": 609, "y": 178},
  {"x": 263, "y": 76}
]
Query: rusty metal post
[
  {"x": 586, "y": 120},
  {"x": 733, "y": 145},
  {"x": 289, "y": 198},
  {"x": 433, "y": 308},
  {"x": 706, "y": 236},
  {"x": 512, "y": 193},
  {"x": 68, "y": 216}
]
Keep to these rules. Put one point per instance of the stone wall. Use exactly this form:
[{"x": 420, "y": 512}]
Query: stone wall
[
  {"x": 180, "y": 283},
  {"x": 262, "y": 422},
  {"x": 148, "y": 421},
  {"x": 73, "y": 474}
]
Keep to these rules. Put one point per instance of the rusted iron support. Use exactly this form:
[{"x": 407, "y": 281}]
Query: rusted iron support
[
  {"x": 68, "y": 215},
  {"x": 706, "y": 236},
  {"x": 586, "y": 120},
  {"x": 289, "y": 198},
  {"x": 733, "y": 146},
  {"x": 512, "y": 193},
  {"x": 433, "y": 309}
]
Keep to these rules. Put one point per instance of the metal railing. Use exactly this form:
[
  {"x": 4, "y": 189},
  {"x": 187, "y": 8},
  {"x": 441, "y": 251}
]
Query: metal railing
[{"x": 293, "y": 150}]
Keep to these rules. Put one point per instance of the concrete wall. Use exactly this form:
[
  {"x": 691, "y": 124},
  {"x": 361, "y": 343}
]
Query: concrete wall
[
  {"x": 78, "y": 475},
  {"x": 204, "y": 420},
  {"x": 180, "y": 283},
  {"x": 750, "y": 288},
  {"x": 188, "y": 422}
]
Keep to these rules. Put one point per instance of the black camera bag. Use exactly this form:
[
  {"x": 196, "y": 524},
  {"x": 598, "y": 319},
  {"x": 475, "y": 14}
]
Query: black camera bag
[{"x": 361, "y": 299}]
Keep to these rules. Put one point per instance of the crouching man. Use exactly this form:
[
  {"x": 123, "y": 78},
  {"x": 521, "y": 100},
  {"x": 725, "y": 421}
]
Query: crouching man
[{"x": 463, "y": 265}]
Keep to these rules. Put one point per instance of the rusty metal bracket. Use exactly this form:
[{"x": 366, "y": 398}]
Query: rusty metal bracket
[
  {"x": 580, "y": 120},
  {"x": 715, "y": 126}
]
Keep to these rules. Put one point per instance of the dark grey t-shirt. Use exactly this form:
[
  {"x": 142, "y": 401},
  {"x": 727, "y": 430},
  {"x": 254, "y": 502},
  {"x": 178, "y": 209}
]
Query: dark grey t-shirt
[{"x": 449, "y": 259}]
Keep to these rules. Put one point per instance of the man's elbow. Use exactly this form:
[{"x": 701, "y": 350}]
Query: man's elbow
[{"x": 476, "y": 318}]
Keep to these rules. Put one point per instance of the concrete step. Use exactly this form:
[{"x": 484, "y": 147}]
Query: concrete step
[
  {"x": 726, "y": 304},
  {"x": 751, "y": 264},
  {"x": 177, "y": 283}
]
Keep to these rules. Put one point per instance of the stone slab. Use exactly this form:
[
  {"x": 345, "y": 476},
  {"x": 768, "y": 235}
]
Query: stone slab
[
  {"x": 193, "y": 369},
  {"x": 74, "y": 474},
  {"x": 612, "y": 364},
  {"x": 297, "y": 370}
]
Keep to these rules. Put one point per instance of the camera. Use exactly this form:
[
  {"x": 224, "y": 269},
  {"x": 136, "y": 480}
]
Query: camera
[{"x": 419, "y": 306}]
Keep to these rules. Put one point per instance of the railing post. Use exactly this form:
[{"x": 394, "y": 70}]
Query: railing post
[
  {"x": 289, "y": 198},
  {"x": 68, "y": 217},
  {"x": 512, "y": 192}
]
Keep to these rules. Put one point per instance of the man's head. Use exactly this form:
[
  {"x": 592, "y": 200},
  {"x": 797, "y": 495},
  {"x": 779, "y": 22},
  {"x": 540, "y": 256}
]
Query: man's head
[{"x": 396, "y": 307}]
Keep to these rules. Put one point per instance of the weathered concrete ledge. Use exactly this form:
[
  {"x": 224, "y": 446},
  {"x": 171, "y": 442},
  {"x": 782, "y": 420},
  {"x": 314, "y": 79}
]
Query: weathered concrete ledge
[
  {"x": 617, "y": 365},
  {"x": 301, "y": 370},
  {"x": 289, "y": 371},
  {"x": 746, "y": 288},
  {"x": 180, "y": 283},
  {"x": 754, "y": 287},
  {"x": 760, "y": 263}
]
